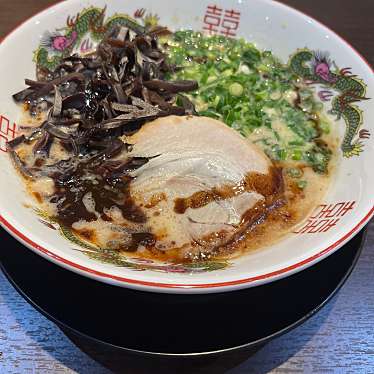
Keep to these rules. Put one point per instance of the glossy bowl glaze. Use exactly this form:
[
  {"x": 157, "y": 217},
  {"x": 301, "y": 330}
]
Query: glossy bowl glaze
[{"x": 270, "y": 25}]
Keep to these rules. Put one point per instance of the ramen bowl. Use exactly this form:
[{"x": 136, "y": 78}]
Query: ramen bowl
[{"x": 344, "y": 78}]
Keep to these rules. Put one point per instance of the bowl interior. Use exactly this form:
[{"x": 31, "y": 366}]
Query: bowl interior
[{"x": 347, "y": 206}]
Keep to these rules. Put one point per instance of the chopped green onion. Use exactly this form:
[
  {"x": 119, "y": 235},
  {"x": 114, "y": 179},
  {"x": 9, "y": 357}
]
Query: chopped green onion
[
  {"x": 297, "y": 155},
  {"x": 324, "y": 126},
  {"x": 294, "y": 172},
  {"x": 244, "y": 69},
  {"x": 296, "y": 142},
  {"x": 211, "y": 79},
  {"x": 236, "y": 89},
  {"x": 276, "y": 95},
  {"x": 302, "y": 184}
]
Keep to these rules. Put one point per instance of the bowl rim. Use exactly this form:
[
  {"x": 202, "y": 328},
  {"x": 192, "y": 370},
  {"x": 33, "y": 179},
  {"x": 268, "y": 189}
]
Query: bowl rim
[{"x": 192, "y": 287}]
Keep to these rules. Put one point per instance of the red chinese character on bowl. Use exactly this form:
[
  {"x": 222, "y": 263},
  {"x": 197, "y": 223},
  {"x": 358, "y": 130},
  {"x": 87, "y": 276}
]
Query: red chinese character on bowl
[
  {"x": 230, "y": 23},
  {"x": 8, "y": 132},
  {"x": 212, "y": 19}
]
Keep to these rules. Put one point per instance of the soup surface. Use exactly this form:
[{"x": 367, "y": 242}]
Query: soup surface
[{"x": 182, "y": 147}]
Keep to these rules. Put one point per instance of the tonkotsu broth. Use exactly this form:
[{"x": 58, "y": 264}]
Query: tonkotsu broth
[
  {"x": 108, "y": 234},
  {"x": 114, "y": 216}
]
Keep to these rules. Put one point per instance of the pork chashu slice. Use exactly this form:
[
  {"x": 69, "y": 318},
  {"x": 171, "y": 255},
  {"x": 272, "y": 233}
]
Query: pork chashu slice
[{"x": 195, "y": 189}]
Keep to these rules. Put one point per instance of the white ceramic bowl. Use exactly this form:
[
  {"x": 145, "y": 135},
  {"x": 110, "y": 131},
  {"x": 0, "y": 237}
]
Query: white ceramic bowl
[{"x": 346, "y": 208}]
